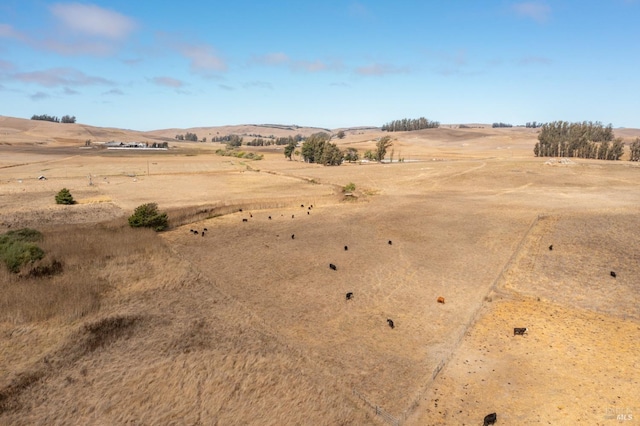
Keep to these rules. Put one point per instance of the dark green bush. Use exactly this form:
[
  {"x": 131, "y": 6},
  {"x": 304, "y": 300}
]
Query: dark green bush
[
  {"x": 147, "y": 216},
  {"x": 64, "y": 197}
]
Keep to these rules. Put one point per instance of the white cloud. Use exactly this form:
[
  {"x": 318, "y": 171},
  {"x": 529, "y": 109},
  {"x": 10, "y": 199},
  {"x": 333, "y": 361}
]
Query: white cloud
[
  {"x": 55, "y": 77},
  {"x": 92, "y": 20},
  {"x": 271, "y": 59},
  {"x": 203, "y": 58},
  {"x": 380, "y": 69},
  {"x": 7, "y": 31},
  {"x": 537, "y": 11},
  {"x": 168, "y": 82}
]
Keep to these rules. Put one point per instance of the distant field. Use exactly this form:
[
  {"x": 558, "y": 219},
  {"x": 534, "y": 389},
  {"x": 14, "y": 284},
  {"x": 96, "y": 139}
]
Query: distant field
[{"x": 249, "y": 325}]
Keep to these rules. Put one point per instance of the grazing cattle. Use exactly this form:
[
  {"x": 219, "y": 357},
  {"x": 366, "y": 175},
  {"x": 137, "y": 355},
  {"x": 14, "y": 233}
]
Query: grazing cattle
[
  {"x": 269, "y": 217},
  {"x": 245, "y": 220},
  {"x": 205, "y": 229},
  {"x": 390, "y": 242},
  {"x": 293, "y": 236},
  {"x": 613, "y": 274},
  {"x": 332, "y": 266},
  {"x": 349, "y": 296},
  {"x": 240, "y": 210},
  {"x": 551, "y": 247},
  {"x": 490, "y": 419},
  {"x": 346, "y": 248},
  {"x": 519, "y": 331},
  {"x": 309, "y": 208},
  {"x": 390, "y": 322},
  {"x": 203, "y": 233},
  {"x": 292, "y": 216},
  {"x": 441, "y": 299},
  {"x": 250, "y": 215},
  {"x": 302, "y": 205},
  {"x": 308, "y": 213}
]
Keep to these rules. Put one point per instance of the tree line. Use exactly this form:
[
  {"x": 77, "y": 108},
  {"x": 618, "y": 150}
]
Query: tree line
[
  {"x": 407, "y": 124},
  {"x": 188, "y": 137},
  {"x": 501, "y": 125},
  {"x": 276, "y": 141},
  {"x": 54, "y": 119},
  {"x": 582, "y": 140}
]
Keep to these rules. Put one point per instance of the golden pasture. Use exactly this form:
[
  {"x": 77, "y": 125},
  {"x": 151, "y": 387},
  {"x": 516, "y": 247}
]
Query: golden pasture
[{"x": 249, "y": 325}]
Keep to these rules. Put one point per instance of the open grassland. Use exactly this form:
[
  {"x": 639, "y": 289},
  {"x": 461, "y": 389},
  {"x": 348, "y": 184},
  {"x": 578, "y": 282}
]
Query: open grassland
[{"x": 249, "y": 325}]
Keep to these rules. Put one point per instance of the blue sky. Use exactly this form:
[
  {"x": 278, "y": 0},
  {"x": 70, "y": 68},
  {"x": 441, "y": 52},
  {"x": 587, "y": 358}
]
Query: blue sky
[{"x": 150, "y": 65}]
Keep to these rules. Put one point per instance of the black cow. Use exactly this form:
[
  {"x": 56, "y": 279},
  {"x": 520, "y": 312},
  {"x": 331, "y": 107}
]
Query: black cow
[
  {"x": 269, "y": 217},
  {"x": 302, "y": 205},
  {"x": 613, "y": 274},
  {"x": 245, "y": 220},
  {"x": 240, "y": 210},
  {"x": 293, "y": 236},
  {"x": 250, "y": 215},
  {"x": 551, "y": 247},
  {"x": 292, "y": 216},
  {"x": 346, "y": 248},
  {"x": 390, "y": 322},
  {"x": 390, "y": 242},
  {"x": 308, "y": 213},
  {"x": 519, "y": 331},
  {"x": 490, "y": 419},
  {"x": 203, "y": 233},
  {"x": 332, "y": 266},
  {"x": 349, "y": 296},
  {"x": 205, "y": 229},
  {"x": 309, "y": 208}
]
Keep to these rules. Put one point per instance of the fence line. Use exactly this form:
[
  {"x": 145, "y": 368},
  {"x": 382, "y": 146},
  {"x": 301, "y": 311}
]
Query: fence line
[
  {"x": 184, "y": 215},
  {"x": 394, "y": 421}
]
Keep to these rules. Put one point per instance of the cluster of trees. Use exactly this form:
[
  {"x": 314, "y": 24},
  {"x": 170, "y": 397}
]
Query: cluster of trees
[
  {"x": 501, "y": 125},
  {"x": 635, "y": 150},
  {"x": 187, "y": 137},
  {"x": 317, "y": 149},
  {"x": 407, "y": 124},
  {"x": 54, "y": 119},
  {"x": 276, "y": 141},
  {"x": 533, "y": 125},
  {"x": 160, "y": 145},
  {"x": 227, "y": 139},
  {"x": 583, "y": 140}
]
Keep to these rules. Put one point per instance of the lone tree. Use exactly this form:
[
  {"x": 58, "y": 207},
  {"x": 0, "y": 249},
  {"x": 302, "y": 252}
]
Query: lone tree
[
  {"x": 147, "y": 216},
  {"x": 289, "y": 149},
  {"x": 381, "y": 147},
  {"x": 351, "y": 155},
  {"x": 64, "y": 197},
  {"x": 341, "y": 134}
]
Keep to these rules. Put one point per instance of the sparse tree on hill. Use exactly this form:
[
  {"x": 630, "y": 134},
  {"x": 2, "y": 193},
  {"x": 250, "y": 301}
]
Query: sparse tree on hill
[
  {"x": 289, "y": 149},
  {"x": 341, "y": 134},
  {"x": 381, "y": 147},
  {"x": 635, "y": 150},
  {"x": 351, "y": 155}
]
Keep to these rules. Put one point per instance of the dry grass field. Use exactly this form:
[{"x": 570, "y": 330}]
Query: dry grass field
[{"x": 249, "y": 325}]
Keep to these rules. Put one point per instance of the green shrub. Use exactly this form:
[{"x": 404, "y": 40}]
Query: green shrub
[
  {"x": 147, "y": 216},
  {"x": 64, "y": 197},
  {"x": 18, "y": 248},
  {"x": 350, "y": 187}
]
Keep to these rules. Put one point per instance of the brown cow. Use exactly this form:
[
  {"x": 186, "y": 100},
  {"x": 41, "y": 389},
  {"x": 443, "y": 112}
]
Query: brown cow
[{"x": 441, "y": 299}]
